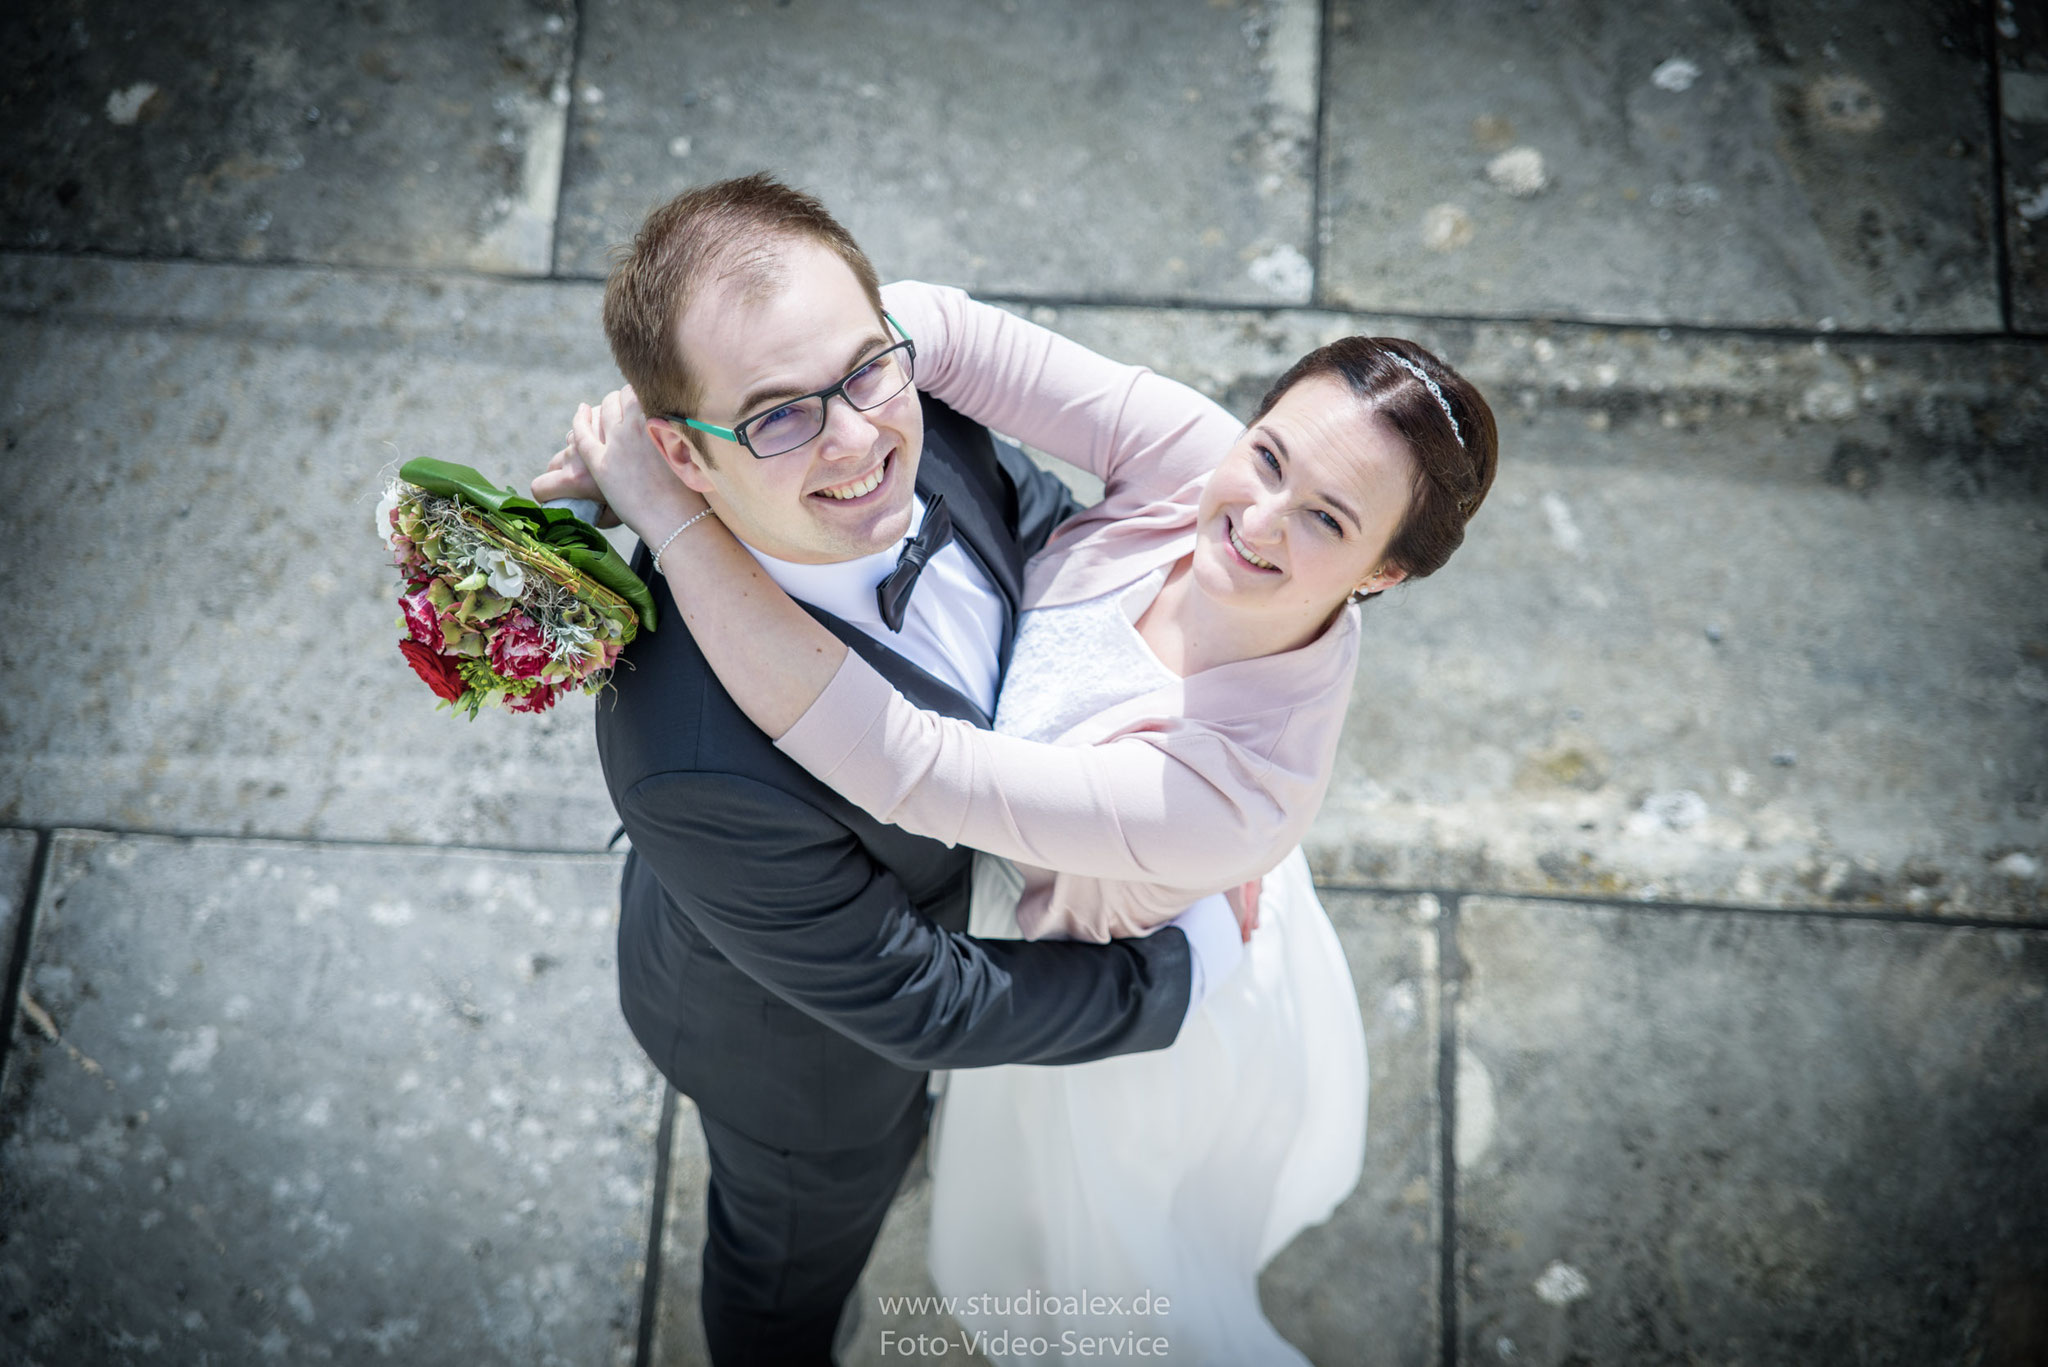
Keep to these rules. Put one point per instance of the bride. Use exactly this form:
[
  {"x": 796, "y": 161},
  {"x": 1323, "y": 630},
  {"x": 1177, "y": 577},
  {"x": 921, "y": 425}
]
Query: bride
[{"x": 1165, "y": 731}]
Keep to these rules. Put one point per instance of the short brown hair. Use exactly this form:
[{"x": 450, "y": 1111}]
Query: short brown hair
[
  {"x": 1454, "y": 466},
  {"x": 730, "y": 229}
]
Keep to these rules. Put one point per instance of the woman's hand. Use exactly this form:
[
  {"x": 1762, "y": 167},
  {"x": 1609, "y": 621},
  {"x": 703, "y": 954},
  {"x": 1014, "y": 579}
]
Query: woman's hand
[
  {"x": 612, "y": 455},
  {"x": 772, "y": 656},
  {"x": 1244, "y": 905},
  {"x": 566, "y": 477}
]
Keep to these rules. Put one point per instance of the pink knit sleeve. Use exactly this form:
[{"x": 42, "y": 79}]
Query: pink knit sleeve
[
  {"x": 1015, "y": 377},
  {"x": 1175, "y": 806}
]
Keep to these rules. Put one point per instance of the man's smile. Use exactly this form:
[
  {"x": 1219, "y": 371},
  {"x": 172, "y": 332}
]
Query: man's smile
[{"x": 854, "y": 490}]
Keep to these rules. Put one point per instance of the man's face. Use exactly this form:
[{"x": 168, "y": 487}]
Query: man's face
[{"x": 819, "y": 503}]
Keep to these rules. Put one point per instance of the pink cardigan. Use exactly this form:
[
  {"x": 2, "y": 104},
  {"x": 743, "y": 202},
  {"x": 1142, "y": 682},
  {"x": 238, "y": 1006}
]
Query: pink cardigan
[{"x": 1190, "y": 789}]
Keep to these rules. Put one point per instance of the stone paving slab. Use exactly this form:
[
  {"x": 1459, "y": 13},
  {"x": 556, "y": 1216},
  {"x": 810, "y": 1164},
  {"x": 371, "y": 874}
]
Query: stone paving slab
[
  {"x": 323, "y": 1104},
  {"x": 1823, "y": 164},
  {"x": 1359, "y": 1289},
  {"x": 17, "y": 862},
  {"x": 1859, "y": 520},
  {"x": 2023, "y": 106},
  {"x": 1730, "y": 1137},
  {"x": 420, "y": 135},
  {"x": 678, "y": 1325},
  {"x": 1150, "y": 149},
  {"x": 1621, "y": 691},
  {"x": 195, "y": 455}
]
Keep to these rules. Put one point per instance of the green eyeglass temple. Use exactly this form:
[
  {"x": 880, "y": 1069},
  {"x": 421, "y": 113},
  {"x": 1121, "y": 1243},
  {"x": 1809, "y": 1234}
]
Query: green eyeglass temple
[
  {"x": 713, "y": 428},
  {"x": 732, "y": 436}
]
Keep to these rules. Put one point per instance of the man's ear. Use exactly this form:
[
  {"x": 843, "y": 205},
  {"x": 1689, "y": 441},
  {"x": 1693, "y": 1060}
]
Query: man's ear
[{"x": 680, "y": 452}]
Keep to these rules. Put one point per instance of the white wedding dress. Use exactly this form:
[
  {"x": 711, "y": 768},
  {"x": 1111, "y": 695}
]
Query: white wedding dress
[{"x": 1069, "y": 1203}]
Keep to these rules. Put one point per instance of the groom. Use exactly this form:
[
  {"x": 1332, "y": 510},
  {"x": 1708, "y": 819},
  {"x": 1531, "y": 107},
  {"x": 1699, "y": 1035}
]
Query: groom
[{"x": 787, "y": 961}]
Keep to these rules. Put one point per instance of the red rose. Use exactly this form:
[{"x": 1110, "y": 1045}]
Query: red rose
[
  {"x": 540, "y": 700},
  {"x": 518, "y": 650},
  {"x": 420, "y": 618},
  {"x": 436, "y": 669}
]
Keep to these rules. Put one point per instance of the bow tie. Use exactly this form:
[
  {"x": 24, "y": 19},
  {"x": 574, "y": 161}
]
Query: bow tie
[{"x": 892, "y": 595}]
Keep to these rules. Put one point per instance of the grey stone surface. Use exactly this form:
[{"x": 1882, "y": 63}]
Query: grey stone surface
[
  {"x": 419, "y": 134},
  {"x": 2023, "y": 107},
  {"x": 314, "y": 1104},
  {"x": 17, "y": 859},
  {"x": 1562, "y": 709},
  {"x": 1153, "y": 149},
  {"x": 194, "y": 454},
  {"x": 1723, "y": 1137},
  {"x": 1362, "y": 1288},
  {"x": 1822, "y": 164},
  {"x": 678, "y": 1324}
]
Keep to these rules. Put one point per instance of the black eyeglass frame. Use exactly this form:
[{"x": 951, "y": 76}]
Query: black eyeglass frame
[{"x": 738, "y": 431}]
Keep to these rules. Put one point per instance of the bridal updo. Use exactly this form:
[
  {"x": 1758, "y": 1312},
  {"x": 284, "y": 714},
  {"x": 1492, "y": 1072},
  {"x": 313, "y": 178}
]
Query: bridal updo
[{"x": 1442, "y": 418}]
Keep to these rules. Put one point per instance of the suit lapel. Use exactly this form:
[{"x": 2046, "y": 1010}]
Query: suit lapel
[{"x": 981, "y": 522}]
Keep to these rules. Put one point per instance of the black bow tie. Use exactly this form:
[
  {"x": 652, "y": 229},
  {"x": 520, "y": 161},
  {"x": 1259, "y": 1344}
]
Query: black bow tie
[{"x": 892, "y": 595}]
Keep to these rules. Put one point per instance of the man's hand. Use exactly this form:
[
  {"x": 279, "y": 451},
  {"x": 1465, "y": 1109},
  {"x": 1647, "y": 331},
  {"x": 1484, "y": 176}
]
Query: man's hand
[{"x": 1244, "y": 904}]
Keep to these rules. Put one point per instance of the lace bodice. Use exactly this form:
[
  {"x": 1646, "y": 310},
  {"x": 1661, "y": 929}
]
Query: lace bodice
[{"x": 1076, "y": 660}]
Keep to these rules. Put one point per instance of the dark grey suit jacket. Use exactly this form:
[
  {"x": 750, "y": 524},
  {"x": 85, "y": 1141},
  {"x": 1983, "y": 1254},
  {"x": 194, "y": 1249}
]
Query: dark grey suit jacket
[{"x": 795, "y": 965}]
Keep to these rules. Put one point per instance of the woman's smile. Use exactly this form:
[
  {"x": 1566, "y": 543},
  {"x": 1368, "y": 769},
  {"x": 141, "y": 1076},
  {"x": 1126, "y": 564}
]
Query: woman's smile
[{"x": 1246, "y": 553}]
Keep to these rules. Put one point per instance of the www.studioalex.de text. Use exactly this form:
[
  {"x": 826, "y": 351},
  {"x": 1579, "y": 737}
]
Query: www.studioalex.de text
[{"x": 1067, "y": 1343}]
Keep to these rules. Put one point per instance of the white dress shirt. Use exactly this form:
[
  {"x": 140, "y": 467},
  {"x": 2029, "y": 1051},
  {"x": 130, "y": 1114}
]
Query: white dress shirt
[{"x": 953, "y": 628}]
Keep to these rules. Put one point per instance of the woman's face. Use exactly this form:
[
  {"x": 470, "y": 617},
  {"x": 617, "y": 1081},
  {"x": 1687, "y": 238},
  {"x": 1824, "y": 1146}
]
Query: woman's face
[{"x": 1300, "y": 512}]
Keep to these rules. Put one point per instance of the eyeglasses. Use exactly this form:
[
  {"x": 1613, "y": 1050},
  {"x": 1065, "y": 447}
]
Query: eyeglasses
[{"x": 794, "y": 422}]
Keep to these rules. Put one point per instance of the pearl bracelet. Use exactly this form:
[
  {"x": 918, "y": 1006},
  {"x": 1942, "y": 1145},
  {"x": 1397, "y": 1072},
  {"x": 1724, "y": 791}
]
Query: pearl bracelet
[{"x": 676, "y": 533}]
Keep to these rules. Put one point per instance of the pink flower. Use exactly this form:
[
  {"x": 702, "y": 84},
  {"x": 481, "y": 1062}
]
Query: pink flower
[
  {"x": 406, "y": 555},
  {"x": 540, "y": 700},
  {"x": 420, "y": 619},
  {"x": 519, "y": 651}
]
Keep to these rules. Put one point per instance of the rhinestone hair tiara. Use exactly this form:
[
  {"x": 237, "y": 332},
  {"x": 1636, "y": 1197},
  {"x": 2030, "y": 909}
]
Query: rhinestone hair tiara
[{"x": 1434, "y": 392}]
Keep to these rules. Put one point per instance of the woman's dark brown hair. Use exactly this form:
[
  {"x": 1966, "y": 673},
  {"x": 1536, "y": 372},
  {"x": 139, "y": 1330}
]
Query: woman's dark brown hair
[{"x": 1455, "y": 452}]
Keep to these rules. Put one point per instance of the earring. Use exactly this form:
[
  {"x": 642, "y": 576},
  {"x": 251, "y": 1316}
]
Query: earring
[{"x": 1361, "y": 593}]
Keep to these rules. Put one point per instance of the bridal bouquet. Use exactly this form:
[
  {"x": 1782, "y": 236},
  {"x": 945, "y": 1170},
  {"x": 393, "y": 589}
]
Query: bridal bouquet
[{"x": 505, "y": 603}]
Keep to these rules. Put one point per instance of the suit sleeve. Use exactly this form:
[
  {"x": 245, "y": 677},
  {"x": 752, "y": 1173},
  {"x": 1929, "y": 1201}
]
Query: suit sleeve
[{"x": 794, "y": 900}]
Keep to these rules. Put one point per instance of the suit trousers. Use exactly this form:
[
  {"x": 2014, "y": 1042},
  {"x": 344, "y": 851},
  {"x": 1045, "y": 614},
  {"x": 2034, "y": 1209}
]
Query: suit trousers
[{"x": 788, "y": 1232}]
